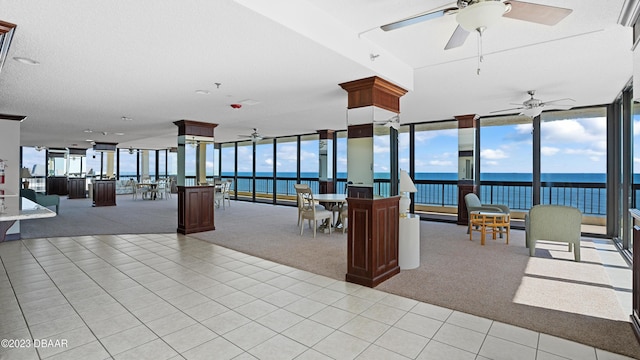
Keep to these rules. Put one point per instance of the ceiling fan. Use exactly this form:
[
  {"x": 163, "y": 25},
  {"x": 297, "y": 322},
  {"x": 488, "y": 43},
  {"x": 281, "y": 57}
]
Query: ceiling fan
[
  {"x": 254, "y": 136},
  {"x": 478, "y": 15},
  {"x": 533, "y": 107}
]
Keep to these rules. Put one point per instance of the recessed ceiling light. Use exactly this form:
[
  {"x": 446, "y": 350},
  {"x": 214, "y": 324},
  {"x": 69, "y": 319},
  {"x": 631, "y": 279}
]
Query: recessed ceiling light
[
  {"x": 119, "y": 134},
  {"x": 88, "y": 130},
  {"x": 89, "y": 140},
  {"x": 203, "y": 92},
  {"x": 26, "y": 61}
]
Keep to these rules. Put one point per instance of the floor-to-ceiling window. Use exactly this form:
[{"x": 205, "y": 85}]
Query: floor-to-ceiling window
[
  {"x": 34, "y": 159},
  {"x": 153, "y": 170},
  {"x": 309, "y": 160},
  {"x": 286, "y": 165},
  {"x": 264, "y": 169},
  {"x": 172, "y": 163},
  {"x": 506, "y": 161},
  {"x": 128, "y": 164},
  {"x": 245, "y": 169},
  {"x": 573, "y": 163},
  {"x": 162, "y": 163},
  {"x": 436, "y": 167}
]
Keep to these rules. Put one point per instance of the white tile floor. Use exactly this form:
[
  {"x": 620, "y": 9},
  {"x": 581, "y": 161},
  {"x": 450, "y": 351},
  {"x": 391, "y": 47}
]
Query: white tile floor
[{"x": 172, "y": 297}]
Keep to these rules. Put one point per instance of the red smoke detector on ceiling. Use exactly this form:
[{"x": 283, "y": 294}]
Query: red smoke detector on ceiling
[{"x": 236, "y": 106}]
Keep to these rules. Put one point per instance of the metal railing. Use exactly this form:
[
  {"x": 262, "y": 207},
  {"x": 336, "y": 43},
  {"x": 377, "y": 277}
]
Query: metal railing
[{"x": 590, "y": 198}]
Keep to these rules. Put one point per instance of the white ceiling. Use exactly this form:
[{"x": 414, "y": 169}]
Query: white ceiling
[{"x": 144, "y": 59}]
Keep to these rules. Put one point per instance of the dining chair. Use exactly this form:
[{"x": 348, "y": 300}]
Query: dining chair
[
  {"x": 225, "y": 194},
  {"x": 137, "y": 190},
  {"x": 161, "y": 189},
  {"x": 311, "y": 211},
  {"x": 300, "y": 188},
  {"x": 219, "y": 195},
  {"x": 169, "y": 187}
]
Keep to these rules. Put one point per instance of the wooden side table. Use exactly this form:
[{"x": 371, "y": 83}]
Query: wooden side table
[{"x": 492, "y": 222}]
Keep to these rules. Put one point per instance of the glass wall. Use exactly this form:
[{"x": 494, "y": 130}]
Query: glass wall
[
  {"x": 228, "y": 160},
  {"x": 35, "y": 161},
  {"x": 573, "y": 163},
  {"x": 128, "y": 165},
  {"x": 162, "y": 163},
  {"x": 264, "y": 168},
  {"x": 436, "y": 167},
  {"x": 172, "y": 163},
  {"x": 245, "y": 169},
  {"x": 506, "y": 161},
  {"x": 309, "y": 156},
  {"x": 286, "y": 165}
]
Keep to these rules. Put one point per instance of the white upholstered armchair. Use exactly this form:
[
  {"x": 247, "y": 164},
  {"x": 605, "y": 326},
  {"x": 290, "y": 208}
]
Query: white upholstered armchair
[{"x": 553, "y": 223}]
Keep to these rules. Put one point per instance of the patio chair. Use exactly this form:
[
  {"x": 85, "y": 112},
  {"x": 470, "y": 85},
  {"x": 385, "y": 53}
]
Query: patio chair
[{"x": 473, "y": 203}]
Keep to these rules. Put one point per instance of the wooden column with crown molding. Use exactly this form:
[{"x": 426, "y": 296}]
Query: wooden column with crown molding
[
  {"x": 195, "y": 203},
  {"x": 373, "y": 91},
  {"x": 465, "y": 186},
  {"x": 372, "y": 243}
]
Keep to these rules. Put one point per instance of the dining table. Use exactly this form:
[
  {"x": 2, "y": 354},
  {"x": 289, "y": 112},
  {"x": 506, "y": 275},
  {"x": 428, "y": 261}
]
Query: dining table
[
  {"x": 151, "y": 193},
  {"x": 329, "y": 201}
]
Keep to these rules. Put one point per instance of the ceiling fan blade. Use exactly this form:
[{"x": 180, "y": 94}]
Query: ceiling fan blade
[
  {"x": 555, "y": 101},
  {"x": 541, "y": 14},
  {"x": 457, "y": 38},
  {"x": 503, "y": 110},
  {"x": 416, "y": 19}
]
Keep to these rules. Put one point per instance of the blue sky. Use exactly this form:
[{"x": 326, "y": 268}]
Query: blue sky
[{"x": 568, "y": 146}]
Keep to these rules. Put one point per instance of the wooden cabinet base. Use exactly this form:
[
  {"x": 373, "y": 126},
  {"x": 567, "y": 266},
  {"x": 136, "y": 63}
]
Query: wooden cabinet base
[
  {"x": 195, "y": 209},
  {"x": 372, "y": 245},
  {"x": 104, "y": 193},
  {"x": 76, "y": 187}
]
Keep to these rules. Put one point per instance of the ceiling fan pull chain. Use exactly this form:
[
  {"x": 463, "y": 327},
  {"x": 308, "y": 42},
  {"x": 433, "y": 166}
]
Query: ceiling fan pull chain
[{"x": 480, "y": 30}]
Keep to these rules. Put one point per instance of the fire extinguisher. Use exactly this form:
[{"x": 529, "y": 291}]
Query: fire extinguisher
[{"x": 2, "y": 171}]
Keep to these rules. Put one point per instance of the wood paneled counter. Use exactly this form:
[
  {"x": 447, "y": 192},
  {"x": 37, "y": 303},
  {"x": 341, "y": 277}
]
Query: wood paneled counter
[{"x": 104, "y": 193}]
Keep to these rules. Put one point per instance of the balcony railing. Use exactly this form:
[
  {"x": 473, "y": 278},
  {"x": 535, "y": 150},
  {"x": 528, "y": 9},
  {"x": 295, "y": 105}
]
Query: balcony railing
[{"x": 590, "y": 198}]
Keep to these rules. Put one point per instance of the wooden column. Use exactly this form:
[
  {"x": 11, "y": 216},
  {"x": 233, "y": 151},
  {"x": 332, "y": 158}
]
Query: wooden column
[
  {"x": 467, "y": 182},
  {"x": 195, "y": 203},
  {"x": 372, "y": 243}
]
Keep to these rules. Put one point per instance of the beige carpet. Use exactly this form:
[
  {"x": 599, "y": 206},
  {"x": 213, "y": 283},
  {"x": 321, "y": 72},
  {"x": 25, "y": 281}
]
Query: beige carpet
[{"x": 549, "y": 293}]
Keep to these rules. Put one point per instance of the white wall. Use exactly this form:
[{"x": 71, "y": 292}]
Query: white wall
[{"x": 10, "y": 152}]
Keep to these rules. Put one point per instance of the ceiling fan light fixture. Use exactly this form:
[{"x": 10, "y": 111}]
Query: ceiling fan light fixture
[
  {"x": 480, "y": 15},
  {"x": 532, "y": 111}
]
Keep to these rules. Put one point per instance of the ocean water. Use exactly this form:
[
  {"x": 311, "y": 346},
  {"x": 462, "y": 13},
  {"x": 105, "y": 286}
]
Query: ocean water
[{"x": 586, "y": 191}]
